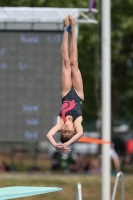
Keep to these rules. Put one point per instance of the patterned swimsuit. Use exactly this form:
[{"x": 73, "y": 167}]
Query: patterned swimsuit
[{"x": 71, "y": 105}]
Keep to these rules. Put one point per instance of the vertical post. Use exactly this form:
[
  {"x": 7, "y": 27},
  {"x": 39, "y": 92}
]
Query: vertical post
[
  {"x": 78, "y": 192},
  {"x": 106, "y": 98}
]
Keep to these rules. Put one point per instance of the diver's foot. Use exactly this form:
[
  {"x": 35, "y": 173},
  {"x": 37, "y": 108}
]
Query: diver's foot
[{"x": 66, "y": 23}]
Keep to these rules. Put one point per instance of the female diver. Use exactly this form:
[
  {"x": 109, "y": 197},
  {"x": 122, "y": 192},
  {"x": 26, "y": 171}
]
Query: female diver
[{"x": 69, "y": 121}]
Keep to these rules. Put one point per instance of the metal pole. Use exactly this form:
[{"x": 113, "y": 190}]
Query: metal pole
[
  {"x": 116, "y": 184},
  {"x": 78, "y": 192},
  {"x": 106, "y": 98}
]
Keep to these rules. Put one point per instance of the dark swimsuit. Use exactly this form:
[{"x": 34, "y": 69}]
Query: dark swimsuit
[{"x": 71, "y": 105}]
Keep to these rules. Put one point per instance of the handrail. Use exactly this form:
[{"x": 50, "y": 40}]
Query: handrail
[
  {"x": 116, "y": 184},
  {"x": 78, "y": 192}
]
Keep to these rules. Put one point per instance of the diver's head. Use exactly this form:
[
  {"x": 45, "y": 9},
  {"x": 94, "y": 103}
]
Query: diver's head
[{"x": 68, "y": 130}]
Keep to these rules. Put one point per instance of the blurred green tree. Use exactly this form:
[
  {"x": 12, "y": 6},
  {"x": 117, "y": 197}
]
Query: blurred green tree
[{"x": 122, "y": 61}]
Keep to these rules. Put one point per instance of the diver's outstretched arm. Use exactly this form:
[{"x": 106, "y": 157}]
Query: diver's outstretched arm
[{"x": 51, "y": 133}]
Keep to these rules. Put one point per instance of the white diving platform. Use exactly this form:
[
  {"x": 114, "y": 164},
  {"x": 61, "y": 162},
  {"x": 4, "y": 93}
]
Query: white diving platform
[{"x": 24, "y": 191}]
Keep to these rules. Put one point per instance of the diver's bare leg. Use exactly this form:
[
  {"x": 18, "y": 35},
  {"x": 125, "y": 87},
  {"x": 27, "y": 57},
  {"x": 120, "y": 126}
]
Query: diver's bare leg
[
  {"x": 66, "y": 80},
  {"x": 76, "y": 74}
]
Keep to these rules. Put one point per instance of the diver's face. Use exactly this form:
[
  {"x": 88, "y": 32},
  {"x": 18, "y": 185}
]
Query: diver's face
[
  {"x": 68, "y": 127},
  {"x": 68, "y": 130}
]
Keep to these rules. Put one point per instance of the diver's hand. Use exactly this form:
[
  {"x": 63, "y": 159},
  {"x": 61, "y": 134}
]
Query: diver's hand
[{"x": 61, "y": 148}]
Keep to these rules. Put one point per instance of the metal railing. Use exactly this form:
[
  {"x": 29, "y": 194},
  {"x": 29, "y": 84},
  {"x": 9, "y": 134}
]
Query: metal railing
[
  {"x": 116, "y": 184},
  {"x": 78, "y": 192}
]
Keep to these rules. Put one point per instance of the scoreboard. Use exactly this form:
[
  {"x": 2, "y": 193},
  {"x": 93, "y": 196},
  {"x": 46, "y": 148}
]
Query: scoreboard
[{"x": 30, "y": 84}]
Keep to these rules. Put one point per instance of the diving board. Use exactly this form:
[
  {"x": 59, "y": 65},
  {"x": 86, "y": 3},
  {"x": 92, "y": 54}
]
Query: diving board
[{"x": 24, "y": 191}]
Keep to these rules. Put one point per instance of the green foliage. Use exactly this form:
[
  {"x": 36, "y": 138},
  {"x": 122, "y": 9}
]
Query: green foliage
[
  {"x": 46, "y": 3},
  {"x": 122, "y": 60},
  {"x": 86, "y": 65}
]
